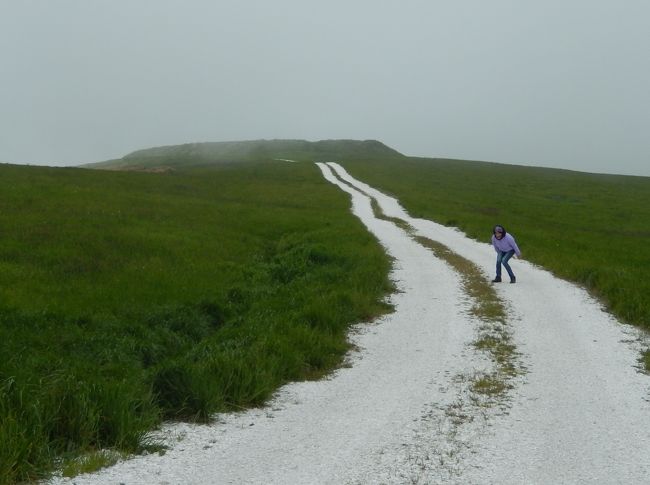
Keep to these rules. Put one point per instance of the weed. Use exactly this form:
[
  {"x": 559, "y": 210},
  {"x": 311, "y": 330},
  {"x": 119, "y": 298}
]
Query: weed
[
  {"x": 90, "y": 462},
  {"x": 491, "y": 385}
]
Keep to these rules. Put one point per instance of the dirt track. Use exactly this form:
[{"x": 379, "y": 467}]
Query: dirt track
[{"x": 403, "y": 412}]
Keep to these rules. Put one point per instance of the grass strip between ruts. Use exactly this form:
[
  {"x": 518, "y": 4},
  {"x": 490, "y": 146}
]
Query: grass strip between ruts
[{"x": 494, "y": 336}]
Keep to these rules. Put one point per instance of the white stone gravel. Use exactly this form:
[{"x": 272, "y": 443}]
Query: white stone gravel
[{"x": 581, "y": 413}]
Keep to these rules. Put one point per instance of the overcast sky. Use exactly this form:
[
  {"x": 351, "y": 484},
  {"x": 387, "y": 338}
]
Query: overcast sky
[{"x": 558, "y": 83}]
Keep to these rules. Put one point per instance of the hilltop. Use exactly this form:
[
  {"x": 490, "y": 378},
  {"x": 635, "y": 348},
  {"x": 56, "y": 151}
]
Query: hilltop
[{"x": 159, "y": 158}]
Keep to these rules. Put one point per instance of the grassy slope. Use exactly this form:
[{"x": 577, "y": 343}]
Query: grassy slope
[
  {"x": 588, "y": 228},
  {"x": 218, "y": 152},
  {"x": 208, "y": 286},
  {"x": 126, "y": 297}
]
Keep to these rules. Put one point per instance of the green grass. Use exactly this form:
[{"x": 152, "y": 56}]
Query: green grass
[
  {"x": 587, "y": 228},
  {"x": 127, "y": 298},
  {"x": 490, "y": 385},
  {"x": 90, "y": 462}
]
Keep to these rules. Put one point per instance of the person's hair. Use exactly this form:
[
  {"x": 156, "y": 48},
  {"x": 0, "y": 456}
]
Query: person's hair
[{"x": 499, "y": 226}]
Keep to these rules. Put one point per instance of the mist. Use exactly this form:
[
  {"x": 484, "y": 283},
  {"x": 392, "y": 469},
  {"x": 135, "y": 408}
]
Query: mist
[{"x": 555, "y": 84}]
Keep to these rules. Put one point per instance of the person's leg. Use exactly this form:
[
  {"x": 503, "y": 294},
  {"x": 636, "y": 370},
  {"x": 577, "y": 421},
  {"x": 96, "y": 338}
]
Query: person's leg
[
  {"x": 499, "y": 258},
  {"x": 504, "y": 261}
]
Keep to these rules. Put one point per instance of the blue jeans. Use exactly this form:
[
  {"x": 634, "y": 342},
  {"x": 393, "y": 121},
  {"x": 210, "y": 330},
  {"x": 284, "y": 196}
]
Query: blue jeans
[{"x": 502, "y": 259}]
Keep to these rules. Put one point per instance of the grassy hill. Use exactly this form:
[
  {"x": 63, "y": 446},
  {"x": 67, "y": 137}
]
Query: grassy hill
[
  {"x": 219, "y": 152},
  {"x": 128, "y": 297}
]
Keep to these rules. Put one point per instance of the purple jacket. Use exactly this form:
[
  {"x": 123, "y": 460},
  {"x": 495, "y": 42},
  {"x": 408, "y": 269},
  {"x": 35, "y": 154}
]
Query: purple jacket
[{"x": 506, "y": 243}]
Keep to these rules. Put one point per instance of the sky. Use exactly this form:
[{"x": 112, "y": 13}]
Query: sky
[{"x": 554, "y": 83}]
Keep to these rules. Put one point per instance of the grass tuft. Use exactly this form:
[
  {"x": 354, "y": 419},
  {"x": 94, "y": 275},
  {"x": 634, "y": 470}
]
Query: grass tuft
[
  {"x": 91, "y": 462},
  {"x": 491, "y": 385}
]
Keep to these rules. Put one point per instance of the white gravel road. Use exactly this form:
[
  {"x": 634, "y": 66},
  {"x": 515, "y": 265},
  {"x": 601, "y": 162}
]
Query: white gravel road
[{"x": 579, "y": 414}]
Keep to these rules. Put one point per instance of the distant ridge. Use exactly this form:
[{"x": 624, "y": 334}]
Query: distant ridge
[{"x": 228, "y": 151}]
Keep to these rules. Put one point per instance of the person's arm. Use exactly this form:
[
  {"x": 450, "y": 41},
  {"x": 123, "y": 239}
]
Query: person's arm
[{"x": 513, "y": 243}]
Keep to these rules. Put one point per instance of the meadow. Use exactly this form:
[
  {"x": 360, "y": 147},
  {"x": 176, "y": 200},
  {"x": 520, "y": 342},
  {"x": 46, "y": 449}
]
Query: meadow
[
  {"x": 199, "y": 278},
  {"x": 127, "y": 298}
]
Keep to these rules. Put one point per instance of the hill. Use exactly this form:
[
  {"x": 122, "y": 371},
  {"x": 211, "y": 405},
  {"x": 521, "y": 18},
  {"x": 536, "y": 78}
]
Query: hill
[
  {"x": 126, "y": 297},
  {"x": 197, "y": 154}
]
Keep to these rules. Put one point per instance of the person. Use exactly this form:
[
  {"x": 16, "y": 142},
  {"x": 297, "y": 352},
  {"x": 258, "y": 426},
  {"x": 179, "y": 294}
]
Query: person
[{"x": 505, "y": 246}]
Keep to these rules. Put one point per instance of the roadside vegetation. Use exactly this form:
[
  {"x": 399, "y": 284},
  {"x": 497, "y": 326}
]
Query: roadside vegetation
[
  {"x": 127, "y": 298},
  {"x": 587, "y": 228}
]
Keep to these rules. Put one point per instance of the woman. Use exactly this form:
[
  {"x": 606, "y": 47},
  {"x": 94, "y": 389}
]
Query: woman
[{"x": 505, "y": 246}]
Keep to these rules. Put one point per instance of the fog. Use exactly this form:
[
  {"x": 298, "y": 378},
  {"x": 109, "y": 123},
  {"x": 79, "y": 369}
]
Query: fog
[{"x": 554, "y": 83}]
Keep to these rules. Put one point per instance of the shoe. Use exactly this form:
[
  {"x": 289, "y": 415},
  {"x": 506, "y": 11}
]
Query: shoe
[
  {"x": 513, "y": 280},
  {"x": 496, "y": 280}
]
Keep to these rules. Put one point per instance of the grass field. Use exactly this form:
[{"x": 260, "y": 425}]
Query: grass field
[
  {"x": 129, "y": 297},
  {"x": 126, "y": 298}
]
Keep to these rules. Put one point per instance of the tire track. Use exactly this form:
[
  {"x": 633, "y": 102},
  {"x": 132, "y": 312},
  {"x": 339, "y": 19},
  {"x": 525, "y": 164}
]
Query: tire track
[{"x": 583, "y": 414}]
